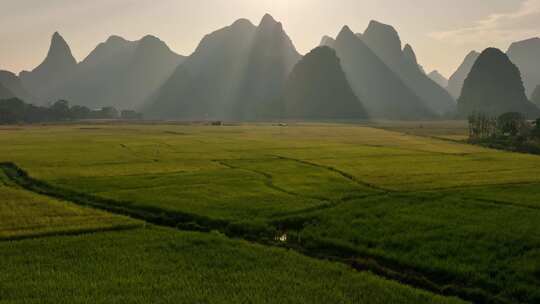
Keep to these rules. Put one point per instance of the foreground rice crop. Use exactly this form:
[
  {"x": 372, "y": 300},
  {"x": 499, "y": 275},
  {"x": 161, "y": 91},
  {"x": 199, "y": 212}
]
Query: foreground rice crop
[
  {"x": 163, "y": 266},
  {"x": 26, "y": 214},
  {"x": 444, "y": 216}
]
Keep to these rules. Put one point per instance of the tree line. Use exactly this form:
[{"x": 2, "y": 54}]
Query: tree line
[
  {"x": 15, "y": 111},
  {"x": 509, "y": 131}
]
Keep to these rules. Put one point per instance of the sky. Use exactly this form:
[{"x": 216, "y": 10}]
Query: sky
[{"x": 441, "y": 32}]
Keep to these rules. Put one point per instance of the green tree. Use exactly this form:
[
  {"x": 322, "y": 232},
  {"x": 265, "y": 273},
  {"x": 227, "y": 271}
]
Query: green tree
[
  {"x": 535, "y": 98},
  {"x": 60, "y": 110},
  {"x": 12, "y": 111},
  {"x": 512, "y": 124},
  {"x": 109, "y": 113},
  {"x": 129, "y": 114},
  {"x": 481, "y": 126},
  {"x": 80, "y": 112},
  {"x": 535, "y": 133}
]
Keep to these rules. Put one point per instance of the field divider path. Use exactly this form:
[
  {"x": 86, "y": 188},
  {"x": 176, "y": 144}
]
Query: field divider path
[
  {"x": 269, "y": 181},
  {"x": 338, "y": 171},
  {"x": 435, "y": 137},
  {"x": 389, "y": 191},
  {"x": 191, "y": 222},
  {"x": 138, "y": 155},
  {"x": 503, "y": 203},
  {"x": 327, "y": 203},
  {"x": 151, "y": 215},
  {"x": 73, "y": 233}
]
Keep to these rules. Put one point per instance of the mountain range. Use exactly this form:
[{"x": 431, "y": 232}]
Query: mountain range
[
  {"x": 116, "y": 73},
  {"x": 524, "y": 54},
  {"x": 412, "y": 83},
  {"x": 383, "y": 93},
  {"x": 384, "y": 40},
  {"x": 254, "y": 72}
]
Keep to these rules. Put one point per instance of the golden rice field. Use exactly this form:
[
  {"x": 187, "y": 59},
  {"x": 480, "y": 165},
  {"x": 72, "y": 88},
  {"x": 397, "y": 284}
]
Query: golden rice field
[{"x": 407, "y": 202}]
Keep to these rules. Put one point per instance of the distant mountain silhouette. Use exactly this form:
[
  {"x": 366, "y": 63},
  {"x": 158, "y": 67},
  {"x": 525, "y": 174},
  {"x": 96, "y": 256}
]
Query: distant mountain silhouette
[
  {"x": 271, "y": 59},
  {"x": 438, "y": 78},
  {"x": 236, "y": 73},
  {"x": 494, "y": 87},
  {"x": 205, "y": 84},
  {"x": 120, "y": 73},
  {"x": 409, "y": 59},
  {"x": 58, "y": 66},
  {"x": 384, "y": 40},
  {"x": 535, "y": 97},
  {"x": 5, "y": 93},
  {"x": 327, "y": 41},
  {"x": 526, "y": 55},
  {"x": 455, "y": 83},
  {"x": 13, "y": 83},
  {"x": 318, "y": 89},
  {"x": 383, "y": 93}
]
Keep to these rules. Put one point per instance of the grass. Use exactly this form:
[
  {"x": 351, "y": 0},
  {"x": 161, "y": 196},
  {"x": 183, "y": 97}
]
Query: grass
[
  {"x": 163, "y": 266},
  {"x": 26, "y": 214},
  {"x": 439, "y": 214},
  {"x": 451, "y": 130}
]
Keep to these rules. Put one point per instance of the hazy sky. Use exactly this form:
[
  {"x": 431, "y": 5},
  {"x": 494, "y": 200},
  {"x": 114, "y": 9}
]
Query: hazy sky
[{"x": 441, "y": 31}]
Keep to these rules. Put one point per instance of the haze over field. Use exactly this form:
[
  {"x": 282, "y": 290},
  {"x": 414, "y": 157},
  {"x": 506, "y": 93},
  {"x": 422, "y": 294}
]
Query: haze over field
[
  {"x": 270, "y": 151},
  {"x": 446, "y": 33},
  {"x": 241, "y": 71}
]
